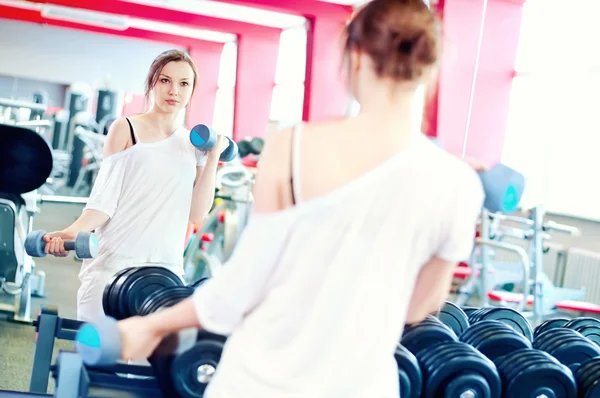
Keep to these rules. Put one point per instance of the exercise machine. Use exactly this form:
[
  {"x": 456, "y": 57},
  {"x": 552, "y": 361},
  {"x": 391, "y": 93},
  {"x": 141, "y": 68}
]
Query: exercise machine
[{"x": 536, "y": 295}]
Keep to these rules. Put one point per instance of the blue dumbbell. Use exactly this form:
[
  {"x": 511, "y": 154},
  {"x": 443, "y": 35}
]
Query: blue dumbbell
[
  {"x": 204, "y": 139},
  {"x": 86, "y": 244},
  {"x": 99, "y": 343},
  {"x": 503, "y": 188}
]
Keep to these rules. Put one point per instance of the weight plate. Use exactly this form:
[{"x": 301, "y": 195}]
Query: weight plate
[
  {"x": 591, "y": 333},
  {"x": 546, "y": 339},
  {"x": 165, "y": 297},
  {"x": 439, "y": 355},
  {"x": 539, "y": 379},
  {"x": 586, "y": 370},
  {"x": 193, "y": 369},
  {"x": 526, "y": 360},
  {"x": 461, "y": 366},
  {"x": 475, "y": 328},
  {"x": 576, "y": 323},
  {"x": 452, "y": 316},
  {"x": 512, "y": 318},
  {"x": 423, "y": 336},
  {"x": 469, "y": 310},
  {"x": 575, "y": 351},
  {"x": 140, "y": 283},
  {"x": 549, "y": 324},
  {"x": 499, "y": 344},
  {"x": 590, "y": 383},
  {"x": 112, "y": 292},
  {"x": 407, "y": 363},
  {"x": 491, "y": 330}
]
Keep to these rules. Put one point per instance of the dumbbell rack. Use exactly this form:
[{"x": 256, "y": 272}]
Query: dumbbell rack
[
  {"x": 545, "y": 294},
  {"x": 100, "y": 382}
]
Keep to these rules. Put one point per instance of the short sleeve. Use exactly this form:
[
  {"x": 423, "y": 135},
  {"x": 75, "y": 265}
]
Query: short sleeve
[
  {"x": 108, "y": 185},
  {"x": 201, "y": 157},
  {"x": 222, "y": 302},
  {"x": 459, "y": 230}
]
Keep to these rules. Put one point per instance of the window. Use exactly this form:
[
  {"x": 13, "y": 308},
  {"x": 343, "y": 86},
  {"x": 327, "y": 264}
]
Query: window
[
  {"x": 225, "y": 100},
  {"x": 288, "y": 94},
  {"x": 553, "y": 130}
]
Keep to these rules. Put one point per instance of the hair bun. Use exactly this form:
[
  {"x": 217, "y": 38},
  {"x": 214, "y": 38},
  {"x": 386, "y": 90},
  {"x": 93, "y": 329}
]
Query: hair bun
[{"x": 401, "y": 36}]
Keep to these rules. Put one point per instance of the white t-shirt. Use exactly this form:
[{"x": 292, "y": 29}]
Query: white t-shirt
[
  {"x": 314, "y": 298},
  {"x": 146, "y": 190}
]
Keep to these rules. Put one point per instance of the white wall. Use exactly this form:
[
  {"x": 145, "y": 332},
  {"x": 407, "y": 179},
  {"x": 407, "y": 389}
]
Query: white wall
[{"x": 65, "y": 56}]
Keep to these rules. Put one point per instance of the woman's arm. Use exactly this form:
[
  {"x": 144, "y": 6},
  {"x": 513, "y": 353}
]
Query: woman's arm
[{"x": 204, "y": 185}]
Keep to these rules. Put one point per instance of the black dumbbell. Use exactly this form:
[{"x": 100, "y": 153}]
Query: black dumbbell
[
  {"x": 568, "y": 346},
  {"x": 530, "y": 372},
  {"x": 86, "y": 244},
  {"x": 204, "y": 139},
  {"x": 511, "y": 317},
  {"x": 128, "y": 290},
  {"x": 449, "y": 368}
]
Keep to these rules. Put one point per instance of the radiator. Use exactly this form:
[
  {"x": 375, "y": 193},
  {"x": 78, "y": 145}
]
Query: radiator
[{"x": 582, "y": 270}]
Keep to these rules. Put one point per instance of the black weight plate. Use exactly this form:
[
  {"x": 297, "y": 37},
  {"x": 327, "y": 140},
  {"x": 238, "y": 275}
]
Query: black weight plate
[
  {"x": 106, "y": 294},
  {"x": 139, "y": 284},
  {"x": 452, "y": 316},
  {"x": 575, "y": 352},
  {"x": 475, "y": 329},
  {"x": 587, "y": 370},
  {"x": 525, "y": 361},
  {"x": 483, "y": 334},
  {"x": 540, "y": 378},
  {"x": 440, "y": 355},
  {"x": 469, "y": 310},
  {"x": 476, "y": 315},
  {"x": 591, "y": 383},
  {"x": 462, "y": 365},
  {"x": 497, "y": 345},
  {"x": 549, "y": 324},
  {"x": 427, "y": 356},
  {"x": 425, "y": 336},
  {"x": 114, "y": 297},
  {"x": 552, "y": 336},
  {"x": 576, "y": 323},
  {"x": 591, "y": 333},
  {"x": 512, "y": 318},
  {"x": 166, "y": 297},
  {"x": 545, "y": 339},
  {"x": 560, "y": 342},
  {"x": 184, "y": 370},
  {"x": 25, "y": 160},
  {"x": 145, "y": 309},
  {"x": 408, "y": 364}
]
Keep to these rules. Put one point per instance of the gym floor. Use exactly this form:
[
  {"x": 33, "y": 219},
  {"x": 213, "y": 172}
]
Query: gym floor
[{"x": 17, "y": 340}]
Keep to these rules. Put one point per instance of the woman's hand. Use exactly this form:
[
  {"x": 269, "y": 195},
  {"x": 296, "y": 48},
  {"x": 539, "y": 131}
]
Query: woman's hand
[
  {"x": 139, "y": 338},
  {"x": 221, "y": 145},
  {"x": 55, "y": 242},
  {"x": 475, "y": 164}
]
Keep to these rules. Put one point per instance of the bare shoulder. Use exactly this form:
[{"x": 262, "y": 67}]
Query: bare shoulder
[{"x": 118, "y": 138}]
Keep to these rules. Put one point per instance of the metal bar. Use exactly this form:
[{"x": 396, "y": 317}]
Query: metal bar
[
  {"x": 63, "y": 199},
  {"x": 8, "y": 103},
  {"x": 524, "y": 261}
]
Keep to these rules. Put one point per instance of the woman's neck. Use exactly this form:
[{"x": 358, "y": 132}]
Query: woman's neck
[
  {"x": 166, "y": 122},
  {"x": 395, "y": 112}
]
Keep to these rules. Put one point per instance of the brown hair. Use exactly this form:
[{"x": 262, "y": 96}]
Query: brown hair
[
  {"x": 159, "y": 63},
  {"x": 402, "y": 37}
]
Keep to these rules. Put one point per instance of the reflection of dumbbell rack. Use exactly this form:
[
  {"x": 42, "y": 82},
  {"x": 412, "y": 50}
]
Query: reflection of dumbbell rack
[{"x": 528, "y": 273}]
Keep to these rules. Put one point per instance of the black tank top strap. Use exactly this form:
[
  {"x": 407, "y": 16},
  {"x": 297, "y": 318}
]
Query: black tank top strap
[{"x": 131, "y": 131}]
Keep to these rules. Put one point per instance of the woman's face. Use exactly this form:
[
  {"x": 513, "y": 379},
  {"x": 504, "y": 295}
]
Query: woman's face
[{"x": 174, "y": 86}]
